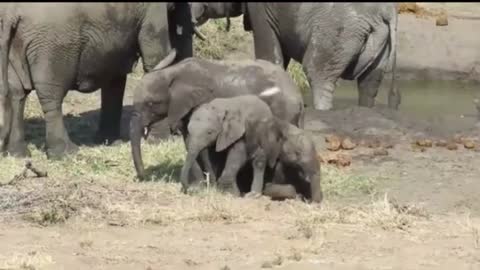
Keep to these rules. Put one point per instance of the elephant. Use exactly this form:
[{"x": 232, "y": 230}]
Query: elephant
[
  {"x": 81, "y": 46},
  {"x": 352, "y": 41},
  {"x": 171, "y": 94},
  {"x": 245, "y": 127}
]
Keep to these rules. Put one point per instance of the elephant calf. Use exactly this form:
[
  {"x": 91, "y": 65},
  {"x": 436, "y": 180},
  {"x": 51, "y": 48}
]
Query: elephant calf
[
  {"x": 173, "y": 92},
  {"x": 245, "y": 127}
]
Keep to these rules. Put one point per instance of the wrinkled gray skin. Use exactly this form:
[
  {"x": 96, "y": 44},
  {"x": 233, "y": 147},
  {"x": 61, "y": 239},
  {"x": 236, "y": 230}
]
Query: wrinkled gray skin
[
  {"x": 247, "y": 128},
  {"x": 55, "y": 47},
  {"x": 176, "y": 90},
  {"x": 352, "y": 41}
]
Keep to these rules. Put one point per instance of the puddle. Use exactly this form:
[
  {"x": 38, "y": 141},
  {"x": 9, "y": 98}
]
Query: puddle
[{"x": 446, "y": 105}]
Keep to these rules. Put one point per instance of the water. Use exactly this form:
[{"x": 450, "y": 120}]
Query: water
[{"x": 448, "y": 103}]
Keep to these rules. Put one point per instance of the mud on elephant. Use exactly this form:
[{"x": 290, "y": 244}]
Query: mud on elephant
[
  {"x": 172, "y": 93},
  {"x": 245, "y": 128},
  {"x": 81, "y": 46},
  {"x": 352, "y": 41}
]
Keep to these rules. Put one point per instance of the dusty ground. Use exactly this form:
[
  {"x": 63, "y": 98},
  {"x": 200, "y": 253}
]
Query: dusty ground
[{"x": 406, "y": 210}]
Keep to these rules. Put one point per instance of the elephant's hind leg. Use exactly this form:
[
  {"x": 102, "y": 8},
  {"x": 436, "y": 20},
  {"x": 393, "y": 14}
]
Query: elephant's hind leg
[
  {"x": 111, "y": 110},
  {"x": 236, "y": 158},
  {"x": 373, "y": 60},
  {"x": 324, "y": 66},
  {"x": 58, "y": 141}
]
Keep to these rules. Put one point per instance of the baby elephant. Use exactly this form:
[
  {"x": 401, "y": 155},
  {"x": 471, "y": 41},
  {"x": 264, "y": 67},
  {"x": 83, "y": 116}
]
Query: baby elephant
[{"x": 245, "y": 127}]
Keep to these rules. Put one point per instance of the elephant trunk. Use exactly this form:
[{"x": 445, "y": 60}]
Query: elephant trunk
[
  {"x": 315, "y": 187},
  {"x": 136, "y": 130}
]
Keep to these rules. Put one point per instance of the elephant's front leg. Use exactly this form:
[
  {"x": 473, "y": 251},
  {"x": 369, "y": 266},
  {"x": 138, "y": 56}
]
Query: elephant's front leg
[
  {"x": 58, "y": 141},
  {"x": 16, "y": 145},
  {"x": 267, "y": 46},
  {"x": 16, "y": 141},
  {"x": 259, "y": 165},
  {"x": 111, "y": 110},
  {"x": 236, "y": 158},
  {"x": 206, "y": 160}
]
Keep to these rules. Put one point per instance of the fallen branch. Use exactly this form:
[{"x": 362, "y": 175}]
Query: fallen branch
[{"x": 28, "y": 167}]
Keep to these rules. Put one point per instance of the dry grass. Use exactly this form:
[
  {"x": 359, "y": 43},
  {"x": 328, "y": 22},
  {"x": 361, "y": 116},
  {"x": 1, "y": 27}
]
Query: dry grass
[{"x": 98, "y": 183}]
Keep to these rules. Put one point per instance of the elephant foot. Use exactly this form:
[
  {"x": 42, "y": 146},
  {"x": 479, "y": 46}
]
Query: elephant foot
[
  {"x": 366, "y": 102},
  {"x": 58, "y": 152},
  {"x": 323, "y": 105},
  {"x": 228, "y": 186},
  {"x": 253, "y": 195},
  {"x": 18, "y": 150}
]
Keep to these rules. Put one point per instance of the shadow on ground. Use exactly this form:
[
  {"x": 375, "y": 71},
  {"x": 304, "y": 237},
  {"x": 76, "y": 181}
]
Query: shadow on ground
[{"x": 83, "y": 127}]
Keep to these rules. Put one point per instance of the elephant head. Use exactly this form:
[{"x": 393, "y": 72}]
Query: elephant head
[
  {"x": 299, "y": 153},
  {"x": 202, "y": 11},
  {"x": 162, "y": 94}
]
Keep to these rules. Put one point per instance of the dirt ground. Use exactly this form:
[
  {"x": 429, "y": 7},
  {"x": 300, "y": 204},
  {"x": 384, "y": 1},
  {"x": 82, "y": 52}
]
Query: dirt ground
[{"x": 414, "y": 208}]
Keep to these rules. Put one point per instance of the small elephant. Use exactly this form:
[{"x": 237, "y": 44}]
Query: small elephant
[
  {"x": 352, "y": 41},
  {"x": 55, "y": 47},
  {"x": 245, "y": 127},
  {"x": 176, "y": 90}
]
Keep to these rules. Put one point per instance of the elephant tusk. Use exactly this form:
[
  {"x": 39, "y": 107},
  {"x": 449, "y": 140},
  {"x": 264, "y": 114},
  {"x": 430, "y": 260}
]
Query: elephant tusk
[
  {"x": 145, "y": 132},
  {"x": 199, "y": 34}
]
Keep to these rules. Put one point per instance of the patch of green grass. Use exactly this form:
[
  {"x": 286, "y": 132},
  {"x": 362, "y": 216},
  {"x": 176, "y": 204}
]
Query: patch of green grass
[{"x": 338, "y": 183}]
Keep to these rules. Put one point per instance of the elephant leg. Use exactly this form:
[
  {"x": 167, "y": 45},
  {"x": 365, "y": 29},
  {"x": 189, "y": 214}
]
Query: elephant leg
[
  {"x": 259, "y": 165},
  {"x": 372, "y": 61},
  {"x": 266, "y": 44},
  {"x": 196, "y": 172},
  {"x": 325, "y": 65},
  {"x": 205, "y": 157},
  {"x": 16, "y": 141},
  {"x": 236, "y": 159},
  {"x": 111, "y": 110},
  {"x": 15, "y": 136},
  {"x": 58, "y": 141}
]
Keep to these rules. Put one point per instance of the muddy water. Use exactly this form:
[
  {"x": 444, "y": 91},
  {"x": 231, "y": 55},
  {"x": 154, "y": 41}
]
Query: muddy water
[{"x": 445, "y": 104}]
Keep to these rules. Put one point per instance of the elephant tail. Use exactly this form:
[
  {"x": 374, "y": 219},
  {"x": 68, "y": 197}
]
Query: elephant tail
[
  {"x": 8, "y": 25},
  {"x": 394, "y": 96}
]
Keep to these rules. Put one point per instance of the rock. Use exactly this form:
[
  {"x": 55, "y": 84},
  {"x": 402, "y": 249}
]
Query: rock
[
  {"x": 380, "y": 152},
  {"x": 458, "y": 138},
  {"x": 374, "y": 143},
  {"x": 442, "y": 20},
  {"x": 417, "y": 148},
  {"x": 348, "y": 144},
  {"x": 468, "y": 144},
  {"x": 424, "y": 143},
  {"x": 441, "y": 143},
  {"x": 338, "y": 159},
  {"x": 343, "y": 160},
  {"x": 452, "y": 146},
  {"x": 334, "y": 142}
]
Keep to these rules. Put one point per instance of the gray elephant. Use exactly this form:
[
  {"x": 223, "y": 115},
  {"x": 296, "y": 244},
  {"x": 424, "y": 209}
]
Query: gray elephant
[
  {"x": 176, "y": 90},
  {"x": 245, "y": 127},
  {"x": 54, "y": 47},
  {"x": 352, "y": 41}
]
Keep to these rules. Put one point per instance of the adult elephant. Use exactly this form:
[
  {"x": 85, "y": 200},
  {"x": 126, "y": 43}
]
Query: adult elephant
[
  {"x": 55, "y": 47},
  {"x": 352, "y": 41}
]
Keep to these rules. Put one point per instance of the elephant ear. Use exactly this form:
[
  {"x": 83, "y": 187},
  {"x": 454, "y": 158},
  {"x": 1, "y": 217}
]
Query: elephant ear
[
  {"x": 233, "y": 128},
  {"x": 183, "y": 99}
]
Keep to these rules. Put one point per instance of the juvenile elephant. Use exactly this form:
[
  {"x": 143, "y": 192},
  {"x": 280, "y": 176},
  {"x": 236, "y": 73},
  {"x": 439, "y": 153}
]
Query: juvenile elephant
[
  {"x": 54, "y": 47},
  {"x": 352, "y": 41},
  {"x": 176, "y": 90},
  {"x": 245, "y": 127}
]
